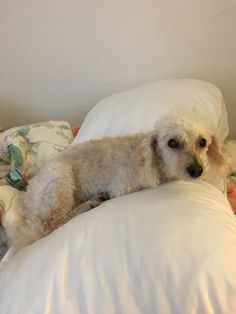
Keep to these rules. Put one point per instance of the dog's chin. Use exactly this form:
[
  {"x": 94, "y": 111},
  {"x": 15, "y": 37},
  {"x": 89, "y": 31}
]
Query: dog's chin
[
  {"x": 190, "y": 178},
  {"x": 186, "y": 177},
  {"x": 177, "y": 177}
]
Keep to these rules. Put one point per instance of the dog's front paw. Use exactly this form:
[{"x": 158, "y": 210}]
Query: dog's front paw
[
  {"x": 103, "y": 196},
  {"x": 88, "y": 206}
]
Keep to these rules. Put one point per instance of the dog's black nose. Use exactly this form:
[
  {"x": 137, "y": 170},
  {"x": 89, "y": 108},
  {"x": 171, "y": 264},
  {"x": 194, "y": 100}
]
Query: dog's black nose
[{"x": 195, "y": 170}]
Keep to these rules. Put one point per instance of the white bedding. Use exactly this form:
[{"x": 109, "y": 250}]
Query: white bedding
[
  {"x": 170, "y": 250},
  {"x": 165, "y": 250}
]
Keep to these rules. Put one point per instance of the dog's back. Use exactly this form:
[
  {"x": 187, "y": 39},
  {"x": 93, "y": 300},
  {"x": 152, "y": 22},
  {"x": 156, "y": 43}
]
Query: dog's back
[{"x": 117, "y": 165}]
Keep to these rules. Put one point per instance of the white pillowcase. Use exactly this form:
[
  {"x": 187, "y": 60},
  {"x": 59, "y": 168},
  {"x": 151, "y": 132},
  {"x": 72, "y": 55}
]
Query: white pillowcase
[
  {"x": 138, "y": 109},
  {"x": 165, "y": 250}
]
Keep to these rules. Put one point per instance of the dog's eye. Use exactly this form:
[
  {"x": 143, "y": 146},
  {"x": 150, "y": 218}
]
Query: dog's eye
[
  {"x": 172, "y": 143},
  {"x": 202, "y": 143}
]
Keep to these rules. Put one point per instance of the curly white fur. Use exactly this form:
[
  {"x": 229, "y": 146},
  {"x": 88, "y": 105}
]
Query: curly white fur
[{"x": 79, "y": 178}]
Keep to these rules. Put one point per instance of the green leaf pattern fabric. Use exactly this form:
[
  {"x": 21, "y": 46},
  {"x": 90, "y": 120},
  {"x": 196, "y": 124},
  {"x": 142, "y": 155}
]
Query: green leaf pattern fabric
[{"x": 27, "y": 147}]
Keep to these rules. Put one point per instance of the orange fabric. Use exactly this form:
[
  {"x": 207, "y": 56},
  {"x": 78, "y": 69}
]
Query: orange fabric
[
  {"x": 75, "y": 129},
  {"x": 231, "y": 194}
]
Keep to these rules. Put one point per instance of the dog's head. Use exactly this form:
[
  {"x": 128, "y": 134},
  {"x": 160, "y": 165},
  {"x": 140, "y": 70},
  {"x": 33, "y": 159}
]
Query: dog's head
[{"x": 187, "y": 147}]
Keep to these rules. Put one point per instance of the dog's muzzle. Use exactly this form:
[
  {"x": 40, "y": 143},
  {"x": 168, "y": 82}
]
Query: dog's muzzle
[{"x": 194, "y": 170}]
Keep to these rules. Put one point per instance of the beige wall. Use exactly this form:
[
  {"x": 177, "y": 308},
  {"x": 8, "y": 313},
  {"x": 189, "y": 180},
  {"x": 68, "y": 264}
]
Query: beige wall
[{"x": 59, "y": 57}]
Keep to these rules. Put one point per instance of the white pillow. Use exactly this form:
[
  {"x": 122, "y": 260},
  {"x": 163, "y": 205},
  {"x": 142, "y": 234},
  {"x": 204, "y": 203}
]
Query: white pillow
[
  {"x": 137, "y": 109},
  {"x": 165, "y": 250}
]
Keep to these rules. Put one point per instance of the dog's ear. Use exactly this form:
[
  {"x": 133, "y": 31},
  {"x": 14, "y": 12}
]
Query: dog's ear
[{"x": 216, "y": 152}]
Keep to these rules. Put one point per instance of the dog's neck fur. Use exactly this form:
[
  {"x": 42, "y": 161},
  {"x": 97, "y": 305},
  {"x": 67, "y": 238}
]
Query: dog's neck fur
[{"x": 158, "y": 163}]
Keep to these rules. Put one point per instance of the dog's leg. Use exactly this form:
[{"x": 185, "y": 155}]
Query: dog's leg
[
  {"x": 49, "y": 198},
  {"x": 82, "y": 208}
]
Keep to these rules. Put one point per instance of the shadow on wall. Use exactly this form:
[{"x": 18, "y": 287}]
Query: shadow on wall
[{"x": 12, "y": 115}]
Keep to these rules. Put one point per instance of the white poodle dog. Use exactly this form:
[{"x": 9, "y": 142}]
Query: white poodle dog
[{"x": 88, "y": 173}]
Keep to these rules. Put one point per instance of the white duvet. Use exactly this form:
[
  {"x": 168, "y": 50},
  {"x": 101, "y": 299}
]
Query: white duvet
[{"x": 166, "y": 250}]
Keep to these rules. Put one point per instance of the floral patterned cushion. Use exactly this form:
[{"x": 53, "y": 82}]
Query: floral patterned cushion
[{"x": 27, "y": 147}]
